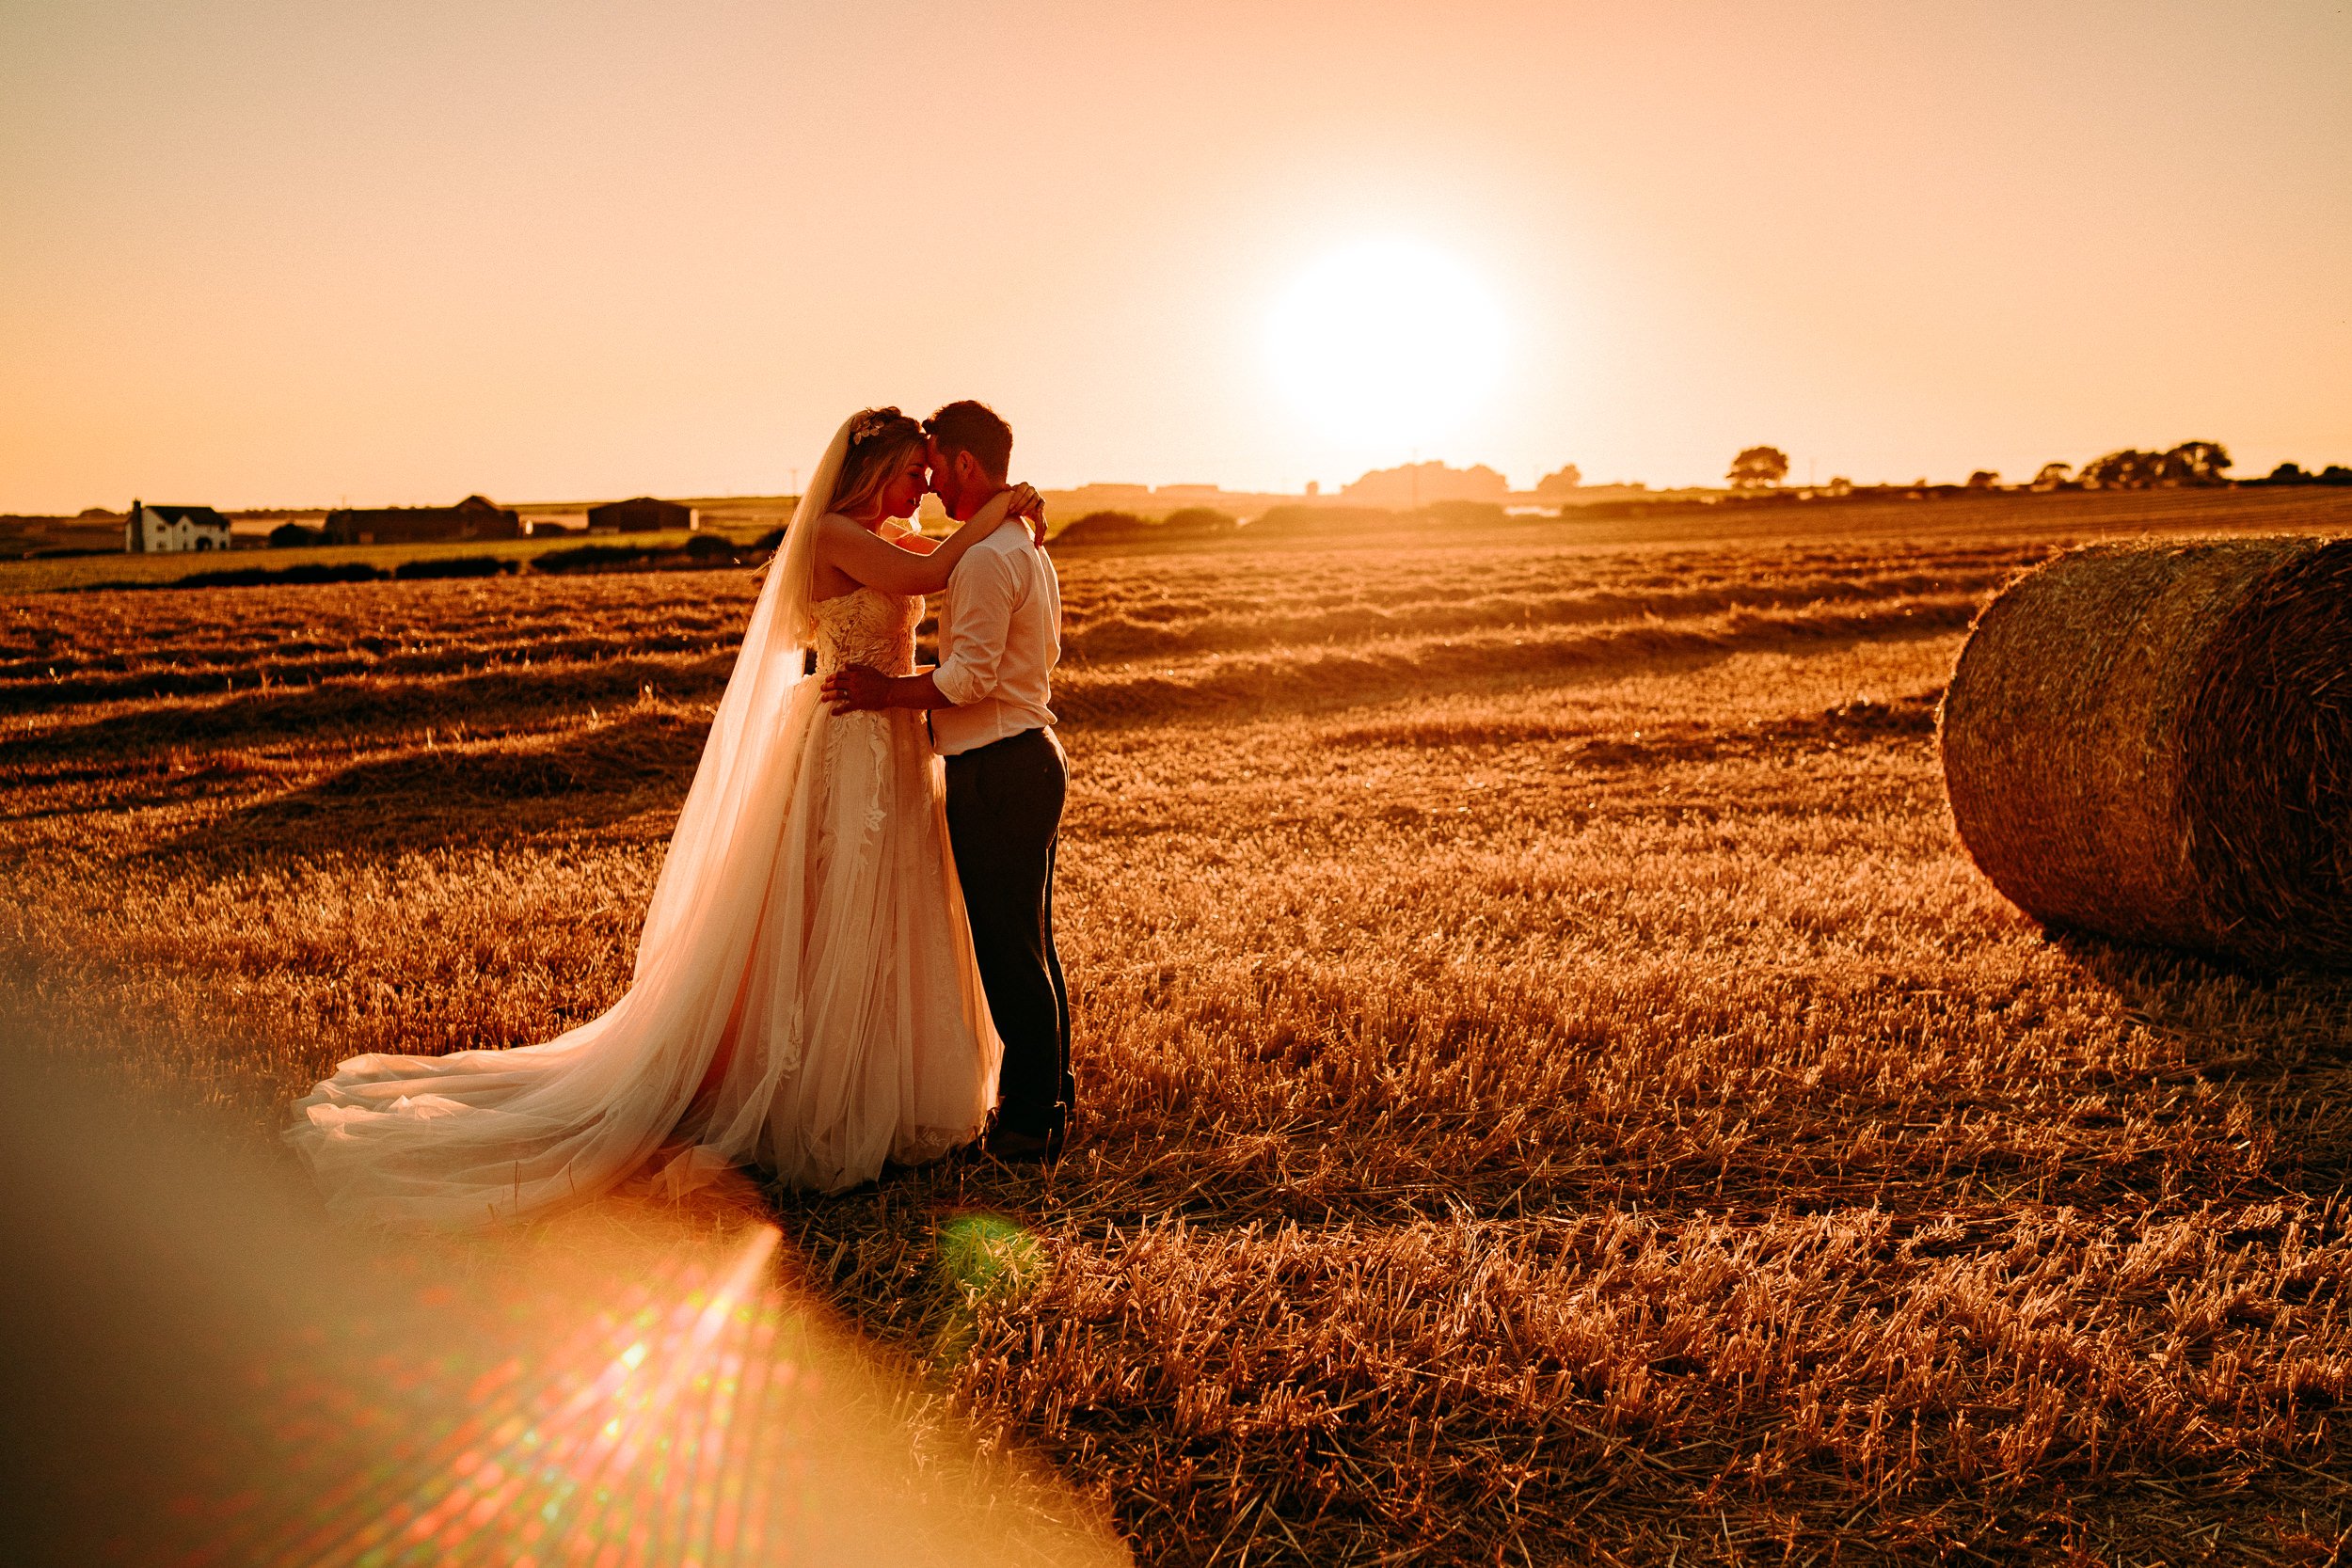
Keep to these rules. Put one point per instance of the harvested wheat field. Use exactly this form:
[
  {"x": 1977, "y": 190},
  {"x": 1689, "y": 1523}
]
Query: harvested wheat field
[{"x": 1553, "y": 1089}]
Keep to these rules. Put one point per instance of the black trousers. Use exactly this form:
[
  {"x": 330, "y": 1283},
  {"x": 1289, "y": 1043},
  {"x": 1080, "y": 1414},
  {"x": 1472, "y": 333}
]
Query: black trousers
[{"x": 1004, "y": 818}]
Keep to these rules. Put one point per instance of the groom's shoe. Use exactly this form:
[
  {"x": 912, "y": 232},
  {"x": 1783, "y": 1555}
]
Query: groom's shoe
[
  {"x": 1017, "y": 1148},
  {"x": 1020, "y": 1149}
]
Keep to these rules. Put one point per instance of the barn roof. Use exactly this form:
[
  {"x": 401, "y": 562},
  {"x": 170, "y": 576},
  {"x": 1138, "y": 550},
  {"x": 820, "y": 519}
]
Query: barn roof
[{"x": 204, "y": 514}]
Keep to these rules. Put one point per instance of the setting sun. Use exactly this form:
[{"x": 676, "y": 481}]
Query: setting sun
[{"x": 1387, "y": 342}]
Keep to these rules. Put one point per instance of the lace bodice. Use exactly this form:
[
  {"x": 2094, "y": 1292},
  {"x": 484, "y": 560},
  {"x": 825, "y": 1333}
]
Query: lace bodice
[{"x": 868, "y": 626}]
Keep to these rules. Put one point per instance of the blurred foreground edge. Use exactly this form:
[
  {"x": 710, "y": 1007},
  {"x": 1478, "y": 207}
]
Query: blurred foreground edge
[{"x": 201, "y": 1370}]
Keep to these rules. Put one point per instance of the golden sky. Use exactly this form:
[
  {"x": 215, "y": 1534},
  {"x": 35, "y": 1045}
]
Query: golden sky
[{"x": 285, "y": 253}]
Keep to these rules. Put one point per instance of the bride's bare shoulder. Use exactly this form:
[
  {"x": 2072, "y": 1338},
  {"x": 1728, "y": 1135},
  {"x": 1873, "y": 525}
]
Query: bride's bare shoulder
[{"x": 834, "y": 527}]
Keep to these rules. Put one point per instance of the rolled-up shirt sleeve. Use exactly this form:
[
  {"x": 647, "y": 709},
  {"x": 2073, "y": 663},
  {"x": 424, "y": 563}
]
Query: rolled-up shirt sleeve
[{"x": 971, "y": 645}]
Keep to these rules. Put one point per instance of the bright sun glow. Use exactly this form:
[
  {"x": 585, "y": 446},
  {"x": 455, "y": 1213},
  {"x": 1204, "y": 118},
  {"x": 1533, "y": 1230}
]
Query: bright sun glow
[{"x": 1388, "y": 341}]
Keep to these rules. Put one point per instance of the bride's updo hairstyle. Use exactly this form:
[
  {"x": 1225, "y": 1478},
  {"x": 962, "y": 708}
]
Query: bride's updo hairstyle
[{"x": 879, "y": 439}]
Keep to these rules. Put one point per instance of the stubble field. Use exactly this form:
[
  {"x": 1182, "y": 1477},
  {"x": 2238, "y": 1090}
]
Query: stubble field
[{"x": 1552, "y": 1087}]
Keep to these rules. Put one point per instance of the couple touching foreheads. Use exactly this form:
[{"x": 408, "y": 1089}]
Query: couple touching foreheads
[{"x": 850, "y": 952}]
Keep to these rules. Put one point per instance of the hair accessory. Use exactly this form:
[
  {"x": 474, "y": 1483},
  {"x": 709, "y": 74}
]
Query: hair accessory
[{"x": 872, "y": 423}]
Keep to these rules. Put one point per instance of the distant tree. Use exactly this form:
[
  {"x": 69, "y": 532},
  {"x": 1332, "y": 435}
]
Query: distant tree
[
  {"x": 1111, "y": 528},
  {"x": 2335, "y": 473},
  {"x": 1759, "y": 469},
  {"x": 1984, "y": 479},
  {"x": 1098, "y": 528},
  {"x": 2195, "y": 463},
  {"x": 2191, "y": 463},
  {"x": 2288, "y": 473},
  {"x": 2127, "y": 470},
  {"x": 2051, "y": 476},
  {"x": 294, "y": 536},
  {"x": 1560, "y": 481},
  {"x": 1840, "y": 485}
]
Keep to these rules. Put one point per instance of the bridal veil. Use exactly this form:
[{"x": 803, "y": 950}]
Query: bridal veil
[{"x": 481, "y": 1135}]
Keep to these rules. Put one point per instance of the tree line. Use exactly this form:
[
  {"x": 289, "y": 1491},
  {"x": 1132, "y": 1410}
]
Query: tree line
[{"x": 2191, "y": 463}]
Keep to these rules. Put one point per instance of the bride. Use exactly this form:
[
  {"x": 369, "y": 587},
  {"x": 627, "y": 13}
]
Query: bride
[{"x": 804, "y": 998}]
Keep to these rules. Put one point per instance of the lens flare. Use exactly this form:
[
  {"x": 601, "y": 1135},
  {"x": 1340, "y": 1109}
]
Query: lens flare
[
  {"x": 623, "y": 1432},
  {"x": 226, "y": 1380},
  {"x": 981, "y": 1257}
]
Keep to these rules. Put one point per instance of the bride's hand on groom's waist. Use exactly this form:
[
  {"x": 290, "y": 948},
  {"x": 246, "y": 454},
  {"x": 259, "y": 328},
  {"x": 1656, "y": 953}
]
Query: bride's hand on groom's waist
[{"x": 856, "y": 688}]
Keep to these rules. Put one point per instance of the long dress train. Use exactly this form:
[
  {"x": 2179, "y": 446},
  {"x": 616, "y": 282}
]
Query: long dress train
[{"x": 804, "y": 998}]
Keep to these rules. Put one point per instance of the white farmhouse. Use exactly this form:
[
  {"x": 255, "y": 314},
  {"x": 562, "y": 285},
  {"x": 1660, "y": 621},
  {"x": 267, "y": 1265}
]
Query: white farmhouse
[{"x": 174, "y": 528}]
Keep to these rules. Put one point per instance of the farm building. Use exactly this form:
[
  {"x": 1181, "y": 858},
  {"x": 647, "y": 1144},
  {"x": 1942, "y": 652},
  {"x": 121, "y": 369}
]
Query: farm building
[
  {"x": 642, "y": 515},
  {"x": 173, "y": 528},
  {"x": 471, "y": 519}
]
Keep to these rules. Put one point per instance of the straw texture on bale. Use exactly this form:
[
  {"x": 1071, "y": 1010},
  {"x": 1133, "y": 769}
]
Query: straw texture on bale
[{"x": 2154, "y": 742}]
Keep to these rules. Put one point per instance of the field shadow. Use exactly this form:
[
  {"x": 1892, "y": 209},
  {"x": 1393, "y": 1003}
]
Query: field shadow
[
  {"x": 2278, "y": 1043},
  {"x": 361, "y": 711},
  {"x": 460, "y": 795}
]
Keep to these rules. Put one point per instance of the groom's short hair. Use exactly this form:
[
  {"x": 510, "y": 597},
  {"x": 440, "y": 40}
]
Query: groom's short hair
[{"x": 975, "y": 428}]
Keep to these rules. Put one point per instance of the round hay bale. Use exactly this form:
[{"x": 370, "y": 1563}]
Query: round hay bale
[{"x": 2154, "y": 742}]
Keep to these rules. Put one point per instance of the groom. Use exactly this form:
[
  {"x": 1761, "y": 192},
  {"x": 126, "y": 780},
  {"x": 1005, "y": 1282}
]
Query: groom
[{"x": 999, "y": 636}]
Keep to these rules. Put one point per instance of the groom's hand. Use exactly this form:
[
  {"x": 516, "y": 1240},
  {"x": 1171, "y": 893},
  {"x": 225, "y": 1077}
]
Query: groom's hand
[{"x": 856, "y": 688}]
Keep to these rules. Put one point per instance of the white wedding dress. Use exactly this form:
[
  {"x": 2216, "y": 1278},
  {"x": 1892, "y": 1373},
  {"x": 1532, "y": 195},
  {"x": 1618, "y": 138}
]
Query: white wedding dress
[{"x": 804, "y": 998}]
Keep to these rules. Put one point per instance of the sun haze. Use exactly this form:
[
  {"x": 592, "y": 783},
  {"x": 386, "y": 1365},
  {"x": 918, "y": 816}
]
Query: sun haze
[
  {"x": 261, "y": 252},
  {"x": 1388, "y": 342}
]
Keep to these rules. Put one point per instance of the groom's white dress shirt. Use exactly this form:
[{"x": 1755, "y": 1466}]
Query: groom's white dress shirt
[{"x": 999, "y": 637}]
